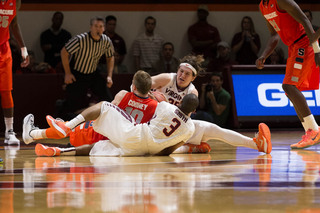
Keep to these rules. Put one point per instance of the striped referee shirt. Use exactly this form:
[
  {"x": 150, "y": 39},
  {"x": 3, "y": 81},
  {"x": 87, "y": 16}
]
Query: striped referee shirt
[{"x": 87, "y": 51}]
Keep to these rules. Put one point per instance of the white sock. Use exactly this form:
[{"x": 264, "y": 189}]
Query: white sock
[
  {"x": 75, "y": 122},
  {"x": 304, "y": 126},
  {"x": 9, "y": 123},
  {"x": 310, "y": 123},
  {"x": 38, "y": 134}
]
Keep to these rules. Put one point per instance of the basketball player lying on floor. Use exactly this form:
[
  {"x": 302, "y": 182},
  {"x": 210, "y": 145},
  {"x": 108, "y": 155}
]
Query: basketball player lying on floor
[
  {"x": 205, "y": 131},
  {"x": 170, "y": 128},
  {"x": 176, "y": 85},
  {"x": 136, "y": 103}
]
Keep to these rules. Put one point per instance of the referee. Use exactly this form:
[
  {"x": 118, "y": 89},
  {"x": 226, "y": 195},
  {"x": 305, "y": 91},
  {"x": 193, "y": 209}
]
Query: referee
[{"x": 80, "y": 57}]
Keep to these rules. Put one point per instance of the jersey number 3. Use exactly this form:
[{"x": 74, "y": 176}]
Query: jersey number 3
[{"x": 173, "y": 127}]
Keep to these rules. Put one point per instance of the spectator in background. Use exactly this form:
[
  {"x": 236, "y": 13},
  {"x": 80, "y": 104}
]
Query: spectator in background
[
  {"x": 167, "y": 62},
  {"x": 202, "y": 36},
  {"x": 276, "y": 57},
  {"x": 215, "y": 102},
  {"x": 53, "y": 39},
  {"x": 223, "y": 58},
  {"x": 246, "y": 44},
  {"x": 119, "y": 46},
  {"x": 80, "y": 75},
  {"x": 35, "y": 66},
  {"x": 147, "y": 46},
  {"x": 119, "y": 68},
  {"x": 117, "y": 41},
  {"x": 308, "y": 13}
]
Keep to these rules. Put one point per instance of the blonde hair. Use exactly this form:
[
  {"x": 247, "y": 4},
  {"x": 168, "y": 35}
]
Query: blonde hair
[{"x": 142, "y": 81}]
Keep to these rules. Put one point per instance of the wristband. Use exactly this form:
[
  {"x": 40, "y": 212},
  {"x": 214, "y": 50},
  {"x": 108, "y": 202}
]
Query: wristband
[
  {"x": 24, "y": 52},
  {"x": 315, "y": 46}
]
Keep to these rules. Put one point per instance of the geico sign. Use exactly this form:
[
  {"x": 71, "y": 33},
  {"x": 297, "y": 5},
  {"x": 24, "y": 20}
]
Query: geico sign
[{"x": 278, "y": 97}]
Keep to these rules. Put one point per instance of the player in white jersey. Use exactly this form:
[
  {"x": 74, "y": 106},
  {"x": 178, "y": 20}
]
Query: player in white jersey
[
  {"x": 176, "y": 86},
  {"x": 170, "y": 128}
]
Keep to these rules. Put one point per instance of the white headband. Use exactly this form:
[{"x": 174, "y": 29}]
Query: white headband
[{"x": 190, "y": 67}]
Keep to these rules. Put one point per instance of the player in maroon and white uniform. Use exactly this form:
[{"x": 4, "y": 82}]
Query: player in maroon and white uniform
[
  {"x": 8, "y": 19},
  {"x": 176, "y": 86},
  {"x": 168, "y": 129}
]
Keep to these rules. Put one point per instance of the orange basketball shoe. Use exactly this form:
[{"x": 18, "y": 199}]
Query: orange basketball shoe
[
  {"x": 263, "y": 139},
  {"x": 42, "y": 150},
  {"x": 59, "y": 125},
  {"x": 309, "y": 139},
  {"x": 202, "y": 148}
]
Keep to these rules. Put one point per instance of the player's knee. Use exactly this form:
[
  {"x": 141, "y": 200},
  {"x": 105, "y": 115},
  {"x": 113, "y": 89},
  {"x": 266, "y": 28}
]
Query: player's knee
[{"x": 6, "y": 99}]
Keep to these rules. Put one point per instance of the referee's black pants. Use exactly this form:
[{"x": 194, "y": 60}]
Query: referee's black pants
[{"x": 77, "y": 92}]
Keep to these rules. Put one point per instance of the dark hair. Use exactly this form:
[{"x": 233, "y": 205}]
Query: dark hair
[
  {"x": 142, "y": 80},
  {"x": 58, "y": 13},
  {"x": 189, "y": 103},
  {"x": 110, "y": 18},
  {"x": 218, "y": 74},
  {"x": 168, "y": 43},
  {"x": 195, "y": 61},
  {"x": 96, "y": 18},
  {"x": 252, "y": 30},
  {"x": 150, "y": 17}
]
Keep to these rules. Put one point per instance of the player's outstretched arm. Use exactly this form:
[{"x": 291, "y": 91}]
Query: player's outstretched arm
[
  {"x": 270, "y": 46},
  {"x": 169, "y": 150},
  {"x": 315, "y": 36}
]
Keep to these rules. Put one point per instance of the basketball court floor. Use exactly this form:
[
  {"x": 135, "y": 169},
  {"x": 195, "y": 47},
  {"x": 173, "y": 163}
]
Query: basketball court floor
[{"x": 228, "y": 179}]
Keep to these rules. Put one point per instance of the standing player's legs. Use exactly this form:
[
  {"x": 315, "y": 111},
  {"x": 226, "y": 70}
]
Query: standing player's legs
[
  {"x": 302, "y": 74},
  {"x": 5, "y": 92}
]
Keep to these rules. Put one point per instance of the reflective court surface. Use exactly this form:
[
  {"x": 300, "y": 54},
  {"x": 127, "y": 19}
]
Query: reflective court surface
[{"x": 228, "y": 179}]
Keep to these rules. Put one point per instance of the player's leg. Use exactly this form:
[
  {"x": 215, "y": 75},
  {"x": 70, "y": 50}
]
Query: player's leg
[
  {"x": 31, "y": 133},
  {"x": 42, "y": 150},
  {"x": 302, "y": 74},
  {"x": 7, "y": 107},
  {"x": 88, "y": 114},
  {"x": 85, "y": 134},
  {"x": 205, "y": 131},
  {"x": 6, "y": 95}
]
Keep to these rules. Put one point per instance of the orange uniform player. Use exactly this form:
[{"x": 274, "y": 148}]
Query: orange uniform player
[
  {"x": 136, "y": 103},
  {"x": 141, "y": 109},
  {"x": 8, "y": 19},
  {"x": 286, "y": 21}
]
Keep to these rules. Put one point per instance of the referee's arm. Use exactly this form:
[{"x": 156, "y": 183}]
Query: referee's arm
[{"x": 110, "y": 67}]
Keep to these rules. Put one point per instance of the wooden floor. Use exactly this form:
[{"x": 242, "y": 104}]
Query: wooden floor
[{"x": 228, "y": 179}]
